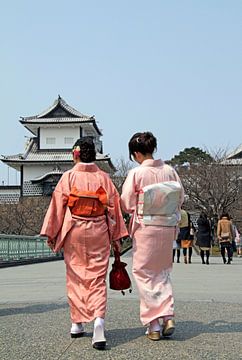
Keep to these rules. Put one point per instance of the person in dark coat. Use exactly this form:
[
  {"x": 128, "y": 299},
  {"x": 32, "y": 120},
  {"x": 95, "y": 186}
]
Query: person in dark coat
[{"x": 204, "y": 237}]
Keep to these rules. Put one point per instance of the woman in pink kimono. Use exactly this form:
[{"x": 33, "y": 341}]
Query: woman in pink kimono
[
  {"x": 84, "y": 215},
  {"x": 152, "y": 194}
]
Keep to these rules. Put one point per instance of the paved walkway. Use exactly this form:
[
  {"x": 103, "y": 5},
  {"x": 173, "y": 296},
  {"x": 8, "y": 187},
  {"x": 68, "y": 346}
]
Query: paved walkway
[{"x": 34, "y": 316}]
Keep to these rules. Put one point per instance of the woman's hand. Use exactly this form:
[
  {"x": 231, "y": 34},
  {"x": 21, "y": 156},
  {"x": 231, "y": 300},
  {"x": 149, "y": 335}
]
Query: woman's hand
[
  {"x": 51, "y": 243},
  {"x": 116, "y": 246}
]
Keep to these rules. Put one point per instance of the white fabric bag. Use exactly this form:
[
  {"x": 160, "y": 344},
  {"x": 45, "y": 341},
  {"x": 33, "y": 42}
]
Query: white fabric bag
[{"x": 159, "y": 204}]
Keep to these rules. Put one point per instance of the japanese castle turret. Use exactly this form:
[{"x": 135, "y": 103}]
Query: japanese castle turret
[{"x": 48, "y": 152}]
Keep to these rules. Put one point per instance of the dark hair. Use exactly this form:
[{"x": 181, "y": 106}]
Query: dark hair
[
  {"x": 225, "y": 215},
  {"x": 203, "y": 215},
  {"x": 87, "y": 149},
  {"x": 145, "y": 143}
]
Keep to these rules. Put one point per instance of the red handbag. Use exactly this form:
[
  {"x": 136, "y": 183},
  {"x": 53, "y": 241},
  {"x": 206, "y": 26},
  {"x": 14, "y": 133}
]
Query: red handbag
[{"x": 118, "y": 277}]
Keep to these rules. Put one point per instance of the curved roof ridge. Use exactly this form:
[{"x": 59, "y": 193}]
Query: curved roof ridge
[
  {"x": 235, "y": 152},
  {"x": 44, "y": 176},
  {"x": 62, "y": 103},
  {"x": 70, "y": 109}
]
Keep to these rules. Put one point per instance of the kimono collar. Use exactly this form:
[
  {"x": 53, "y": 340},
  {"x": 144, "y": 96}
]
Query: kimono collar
[
  {"x": 90, "y": 167},
  {"x": 152, "y": 162}
]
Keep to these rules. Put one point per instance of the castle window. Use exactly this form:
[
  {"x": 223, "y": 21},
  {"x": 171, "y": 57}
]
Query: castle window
[
  {"x": 50, "y": 140},
  {"x": 69, "y": 140}
]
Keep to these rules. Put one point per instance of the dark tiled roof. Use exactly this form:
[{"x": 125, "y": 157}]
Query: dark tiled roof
[
  {"x": 236, "y": 154},
  {"x": 58, "y": 113},
  {"x": 37, "y": 120},
  {"x": 58, "y": 103},
  {"x": 32, "y": 154}
]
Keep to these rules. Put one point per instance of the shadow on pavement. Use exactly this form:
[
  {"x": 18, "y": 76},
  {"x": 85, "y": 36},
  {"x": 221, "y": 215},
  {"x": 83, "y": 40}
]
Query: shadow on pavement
[
  {"x": 189, "y": 329},
  {"x": 185, "y": 330},
  {"x": 116, "y": 337},
  {"x": 31, "y": 309}
]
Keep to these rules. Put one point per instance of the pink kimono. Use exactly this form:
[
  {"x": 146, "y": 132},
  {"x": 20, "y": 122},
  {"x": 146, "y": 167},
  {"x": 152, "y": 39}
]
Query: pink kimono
[
  {"x": 152, "y": 245},
  {"x": 86, "y": 240}
]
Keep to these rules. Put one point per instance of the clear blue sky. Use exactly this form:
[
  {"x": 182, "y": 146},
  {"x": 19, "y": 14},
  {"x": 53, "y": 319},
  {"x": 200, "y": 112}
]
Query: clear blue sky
[{"x": 171, "y": 67}]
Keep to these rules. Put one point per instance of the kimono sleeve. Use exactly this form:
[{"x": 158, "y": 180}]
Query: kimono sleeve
[
  {"x": 54, "y": 217},
  {"x": 129, "y": 195},
  {"x": 116, "y": 224}
]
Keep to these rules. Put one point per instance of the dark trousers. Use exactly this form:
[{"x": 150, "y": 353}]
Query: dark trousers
[
  {"x": 226, "y": 245},
  {"x": 189, "y": 253},
  {"x": 202, "y": 253},
  {"x": 176, "y": 252}
]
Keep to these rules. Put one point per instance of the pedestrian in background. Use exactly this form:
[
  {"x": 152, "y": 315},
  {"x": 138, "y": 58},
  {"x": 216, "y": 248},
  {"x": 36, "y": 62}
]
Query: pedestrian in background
[
  {"x": 185, "y": 236},
  {"x": 204, "y": 237},
  {"x": 176, "y": 250},
  {"x": 238, "y": 240},
  {"x": 225, "y": 236},
  {"x": 153, "y": 228},
  {"x": 233, "y": 243}
]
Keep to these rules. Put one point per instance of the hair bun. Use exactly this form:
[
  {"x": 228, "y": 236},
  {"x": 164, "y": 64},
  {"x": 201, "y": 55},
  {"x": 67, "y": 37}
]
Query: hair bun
[
  {"x": 144, "y": 142},
  {"x": 87, "y": 149},
  {"x": 148, "y": 135}
]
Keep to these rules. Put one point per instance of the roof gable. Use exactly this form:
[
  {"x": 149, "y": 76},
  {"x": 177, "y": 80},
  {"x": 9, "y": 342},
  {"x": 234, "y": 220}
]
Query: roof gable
[
  {"x": 236, "y": 154},
  {"x": 58, "y": 109},
  {"x": 58, "y": 113}
]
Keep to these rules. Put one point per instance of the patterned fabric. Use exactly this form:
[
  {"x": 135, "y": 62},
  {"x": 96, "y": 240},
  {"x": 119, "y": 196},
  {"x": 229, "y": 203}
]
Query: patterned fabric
[
  {"x": 152, "y": 245},
  {"x": 158, "y": 204}
]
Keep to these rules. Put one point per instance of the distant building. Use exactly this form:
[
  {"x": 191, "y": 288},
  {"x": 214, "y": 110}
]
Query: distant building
[
  {"x": 48, "y": 152},
  {"x": 235, "y": 157}
]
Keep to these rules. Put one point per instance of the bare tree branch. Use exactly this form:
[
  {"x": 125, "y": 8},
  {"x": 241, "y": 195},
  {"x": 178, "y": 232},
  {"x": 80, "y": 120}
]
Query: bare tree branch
[
  {"x": 211, "y": 186},
  {"x": 123, "y": 166}
]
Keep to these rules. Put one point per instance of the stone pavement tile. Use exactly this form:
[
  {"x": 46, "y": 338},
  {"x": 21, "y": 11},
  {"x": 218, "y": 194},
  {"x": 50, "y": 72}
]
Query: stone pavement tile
[
  {"x": 33, "y": 331},
  {"x": 205, "y": 330}
]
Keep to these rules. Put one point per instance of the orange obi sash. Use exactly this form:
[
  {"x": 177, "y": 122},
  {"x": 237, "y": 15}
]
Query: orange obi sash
[{"x": 88, "y": 203}]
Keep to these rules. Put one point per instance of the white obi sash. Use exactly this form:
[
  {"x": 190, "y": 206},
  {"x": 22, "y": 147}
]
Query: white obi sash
[{"x": 159, "y": 204}]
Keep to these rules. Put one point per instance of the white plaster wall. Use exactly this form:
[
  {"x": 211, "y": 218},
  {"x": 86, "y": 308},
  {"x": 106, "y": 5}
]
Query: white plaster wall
[
  {"x": 10, "y": 191},
  {"x": 59, "y": 134},
  {"x": 32, "y": 172}
]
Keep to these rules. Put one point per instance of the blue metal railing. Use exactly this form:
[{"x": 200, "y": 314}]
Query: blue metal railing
[{"x": 21, "y": 247}]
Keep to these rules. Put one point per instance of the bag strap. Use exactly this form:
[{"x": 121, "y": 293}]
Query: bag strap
[{"x": 116, "y": 255}]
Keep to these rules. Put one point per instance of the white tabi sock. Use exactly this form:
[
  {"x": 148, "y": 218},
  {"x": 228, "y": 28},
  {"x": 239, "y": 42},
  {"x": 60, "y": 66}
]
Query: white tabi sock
[
  {"x": 98, "y": 331},
  {"x": 154, "y": 325}
]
